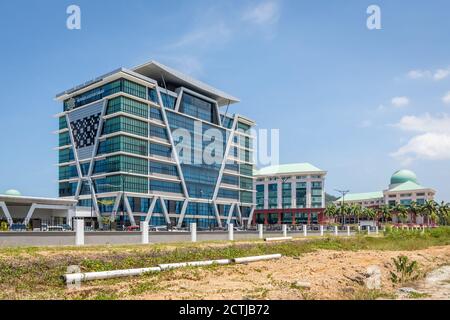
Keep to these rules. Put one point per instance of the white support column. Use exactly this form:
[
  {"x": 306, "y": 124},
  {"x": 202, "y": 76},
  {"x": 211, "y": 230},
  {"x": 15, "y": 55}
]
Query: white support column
[
  {"x": 144, "y": 232},
  {"x": 164, "y": 209},
  {"x": 250, "y": 217},
  {"x": 30, "y": 214},
  {"x": 348, "y": 231},
  {"x": 336, "y": 232},
  {"x": 305, "y": 230},
  {"x": 183, "y": 213},
  {"x": 129, "y": 211},
  {"x": 7, "y": 214},
  {"x": 285, "y": 230},
  {"x": 261, "y": 231},
  {"x": 193, "y": 232},
  {"x": 79, "y": 232},
  {"x": 95, "y": 203},
  {"x": 116, "y": 206},
  {"x": 230, "y": 213},
  {"x": 239, "y": 213},
  {"x": 321, "y": 230},
  {"x": 216, "y": 212},
  {"x": 230, "y": 232}
]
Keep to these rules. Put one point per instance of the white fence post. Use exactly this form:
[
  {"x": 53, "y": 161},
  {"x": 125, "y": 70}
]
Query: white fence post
[
  {"x": 336, "y": 232},
  {"x": 79, "y": 232},
  {"x": 368, "y": 230},
  {"x": 193, "y": 232},
  {"x": 305, "y": 230},
  {"x": 321, "y": 230},
  {"x": 359, "y": 228},
  {"x": 261, "y": 231},
  {"x": 230, "y": 232},
  {"x": 284, "y": 230},
  {"x": 144, "y": 231},
  {"x": 348, "y": 231},
  {"x": 376, "y": 230}
]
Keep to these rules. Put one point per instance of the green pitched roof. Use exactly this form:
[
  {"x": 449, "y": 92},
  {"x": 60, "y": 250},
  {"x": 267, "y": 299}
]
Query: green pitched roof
[
  {"x": 362, "y": 196},
  {"x": 407, "y": 186},
  {"x": 287, "y": 169}
]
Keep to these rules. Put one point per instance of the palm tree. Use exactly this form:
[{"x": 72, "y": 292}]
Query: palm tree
[
  {"x": 385, "y": 212},
  {"x": 444, "y": 212},
  {"x": 370, "y": 213},
  {"x": 414, "y": 209},
  {"x": 430, "y": 207},
  {"x": 402, "y": 212},
  {"x": 356, "y": 211},
  {"x": 331, "y": 211}
]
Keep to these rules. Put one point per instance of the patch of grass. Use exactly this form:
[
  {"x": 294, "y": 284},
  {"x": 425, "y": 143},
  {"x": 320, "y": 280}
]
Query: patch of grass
[
  {"x": 418, "y": 295},
  {"x": 144, "y": 287},
  {"x": 367, "y": 294}
]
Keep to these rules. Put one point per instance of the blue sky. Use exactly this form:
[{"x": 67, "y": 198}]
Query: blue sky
[{"x": 360, "y": 104}]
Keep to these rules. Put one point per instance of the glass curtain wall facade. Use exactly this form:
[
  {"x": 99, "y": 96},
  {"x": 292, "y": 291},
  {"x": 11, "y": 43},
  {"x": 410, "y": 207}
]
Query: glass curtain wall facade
[{"x": 120, "y": 155}]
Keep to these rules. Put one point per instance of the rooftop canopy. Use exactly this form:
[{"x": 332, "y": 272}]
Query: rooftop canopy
[
  {"x": 162, "y": 73},
  {"x": 407, "y": 186},
  {"x": 285, "y": 169},
  {"x": 362, "y": 196}
]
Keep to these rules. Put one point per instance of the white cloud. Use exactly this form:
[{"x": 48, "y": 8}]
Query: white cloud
[
  {"x": 432, "y": 142},
  {"x": 399, "y": 102},
  {"x": 446, "y": 98},
  {"x": 429, "y": 146},
  {"x": 425, "y": 123},
  {"x": 267, "y": 12},
  {"x": 437, "y": 75}
]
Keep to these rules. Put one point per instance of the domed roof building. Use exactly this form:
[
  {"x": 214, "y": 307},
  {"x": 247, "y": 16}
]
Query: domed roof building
[
  {"x": 13, "y": 193},
  {"x": 403, "y": 188}
]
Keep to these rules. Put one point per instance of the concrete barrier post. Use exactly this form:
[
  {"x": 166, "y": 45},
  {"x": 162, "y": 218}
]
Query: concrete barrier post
[
  {"x": 230, "y": 232},
  {"x": 348, "y": 231},
  {"x": 305, "y": 230},
  {"x": 321, "y": 230},
  {"x": 377, "y": 231},
  {"x": 261, "y": 231},
  {"x": 144, "y": 232},
  {"x": 284, "y": 230},
  {"x": 368, "y": 229},
  {"x": 79, "y": 232},
  {"x": 359, "y": 228},
  {"x": 336, "y": 232},
  {"x": 193, "y": 232}
]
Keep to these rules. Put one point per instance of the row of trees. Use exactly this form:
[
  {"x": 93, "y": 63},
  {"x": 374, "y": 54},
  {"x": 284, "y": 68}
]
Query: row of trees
[{"x": 431, "y": 211}]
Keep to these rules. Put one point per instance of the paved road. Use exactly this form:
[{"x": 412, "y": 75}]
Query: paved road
[{"x": 18, "y": 239}]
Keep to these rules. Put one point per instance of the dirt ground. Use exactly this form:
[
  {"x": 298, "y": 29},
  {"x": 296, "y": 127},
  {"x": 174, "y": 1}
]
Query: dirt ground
[{"x": 322, "y": 274}]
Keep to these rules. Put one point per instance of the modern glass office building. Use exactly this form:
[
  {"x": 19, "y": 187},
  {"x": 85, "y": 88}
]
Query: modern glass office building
[
  {"x": 289, "y": 194},
  {"x": 152, "y": 144}
]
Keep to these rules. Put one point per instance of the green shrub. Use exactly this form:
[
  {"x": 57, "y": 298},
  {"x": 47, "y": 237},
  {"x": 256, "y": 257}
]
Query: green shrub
[{"x": 405, "y": 270}]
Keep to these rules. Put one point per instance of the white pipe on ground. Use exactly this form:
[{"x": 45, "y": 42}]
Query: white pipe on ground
[
  {"x": 78, "y": 277},
  {"x": 278, "y": 239},
  {"x": 193, "y": 264},
  {"x": 257, "y": 258}
]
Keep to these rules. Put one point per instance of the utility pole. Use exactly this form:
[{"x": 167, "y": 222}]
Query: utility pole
[{"x": 343, "y": 193}]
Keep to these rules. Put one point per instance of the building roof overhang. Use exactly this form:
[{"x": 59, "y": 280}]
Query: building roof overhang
[
  {"x": 21, "y": 200},
  {"x": 161, "y": 73}
]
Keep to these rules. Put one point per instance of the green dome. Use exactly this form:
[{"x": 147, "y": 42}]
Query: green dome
[
  {"x": 403, "y": 176},
  {"x": 13, "y": 192}
]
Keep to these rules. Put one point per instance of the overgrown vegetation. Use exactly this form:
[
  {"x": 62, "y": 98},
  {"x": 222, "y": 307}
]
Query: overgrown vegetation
[
  {"x": 405, "y": 270},
  {"x": 34, "y": 273}
]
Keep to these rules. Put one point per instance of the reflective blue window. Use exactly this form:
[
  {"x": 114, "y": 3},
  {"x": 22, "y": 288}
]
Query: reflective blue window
[
  {"x": 197, "y": 108},
  {"x": 168, "y": 101}
]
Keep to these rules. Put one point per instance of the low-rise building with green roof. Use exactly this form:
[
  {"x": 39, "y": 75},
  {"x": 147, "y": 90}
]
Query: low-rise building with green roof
[
  {"x": 403, "y": 188},
  {"x": 289, "y": 194}
]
